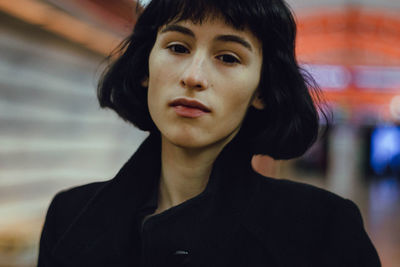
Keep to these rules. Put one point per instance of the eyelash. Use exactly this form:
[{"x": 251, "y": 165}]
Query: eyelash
[
  {"x": 232, "y": 59},
  {"x": 173, "y": 48},
  {"x": 225, "y": 58}
]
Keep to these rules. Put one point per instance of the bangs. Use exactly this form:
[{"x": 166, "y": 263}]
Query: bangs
[
  {"x": 264, "y": 18},
  {"x": 232, "y": 12}
]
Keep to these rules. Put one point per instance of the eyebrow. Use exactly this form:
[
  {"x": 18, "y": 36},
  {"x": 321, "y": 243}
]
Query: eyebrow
[
  {"x": 221, "y": 38},
  {"x": 177, "y": 28},
  {"x": 235, "y": 39}
]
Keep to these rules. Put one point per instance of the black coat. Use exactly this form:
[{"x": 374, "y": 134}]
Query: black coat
[{"x": 241, "y": 219}]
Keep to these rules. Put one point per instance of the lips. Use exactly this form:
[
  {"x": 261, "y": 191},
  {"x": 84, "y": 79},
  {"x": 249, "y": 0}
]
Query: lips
[
  {"x": 188, "y": 103},
  {"x": 189, "y": 108}
]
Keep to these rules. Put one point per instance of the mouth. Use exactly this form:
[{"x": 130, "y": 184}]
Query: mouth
[
  {"x": 189, "y": 108},
  {"x": 188, "y": 103}
]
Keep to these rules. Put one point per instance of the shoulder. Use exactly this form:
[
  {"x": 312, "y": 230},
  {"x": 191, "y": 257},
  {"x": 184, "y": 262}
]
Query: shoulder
[
  {"x": 67, "y": 205},
  {"x": 299, "y": 197},
  {"x": 313, "y": 220},
  {"x": 73, "y": 199},
  {"x": 312, "y": 208},
  {"x": 79, "y": 195},
  {"x": 64, "y": 208},
  {"x": 301, "y": 210}
]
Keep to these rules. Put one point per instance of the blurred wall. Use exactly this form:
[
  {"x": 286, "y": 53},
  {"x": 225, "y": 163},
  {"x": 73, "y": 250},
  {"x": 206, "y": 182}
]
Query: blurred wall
[{"x": 53, "y": 135}]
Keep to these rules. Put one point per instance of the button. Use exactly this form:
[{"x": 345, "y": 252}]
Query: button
[
  {"x": 181, "y": 252},
  {"x": 179, "y": 258}
]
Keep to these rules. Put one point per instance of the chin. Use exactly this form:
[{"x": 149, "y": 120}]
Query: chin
[
  {"x": 195, "y": 141},
  {"x": 186, "y": 140}
]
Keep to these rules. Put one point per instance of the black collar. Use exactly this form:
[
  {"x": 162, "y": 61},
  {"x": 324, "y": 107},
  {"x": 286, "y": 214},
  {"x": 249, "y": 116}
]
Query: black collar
[{"x": 101, "y": 229}]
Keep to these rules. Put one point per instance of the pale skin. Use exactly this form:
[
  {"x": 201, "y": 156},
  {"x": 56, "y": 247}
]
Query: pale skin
[{"x": 212, "y": 63}]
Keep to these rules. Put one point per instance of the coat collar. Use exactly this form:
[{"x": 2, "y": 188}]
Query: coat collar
[
  {"x": 100, "y": 231},
  {"x": 106, "y": 226}
]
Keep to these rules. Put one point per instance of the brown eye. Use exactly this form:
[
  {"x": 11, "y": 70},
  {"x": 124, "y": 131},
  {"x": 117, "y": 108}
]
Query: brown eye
[
  {"x": 229, "y": 59},
  {"x": 179, "y": 49}
]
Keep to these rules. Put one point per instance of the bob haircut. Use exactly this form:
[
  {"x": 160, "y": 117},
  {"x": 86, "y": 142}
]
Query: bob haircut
[{"x": 289, "y": 123}]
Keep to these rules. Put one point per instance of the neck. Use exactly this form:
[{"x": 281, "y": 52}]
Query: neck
[{"x": 184, "y": 172}]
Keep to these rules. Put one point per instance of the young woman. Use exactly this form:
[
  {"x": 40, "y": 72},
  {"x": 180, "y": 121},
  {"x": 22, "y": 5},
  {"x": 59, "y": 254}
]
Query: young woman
[{"x": 214, "y": 82}]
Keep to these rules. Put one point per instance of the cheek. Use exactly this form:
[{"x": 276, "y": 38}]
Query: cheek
[
  {"x": 236, "y": 98},
  {"x": 154, "y": 74},
  {"x": 239, "y": 95},
  {"x": 162, "y": 72},
  {"x": 156, "y": 81}
]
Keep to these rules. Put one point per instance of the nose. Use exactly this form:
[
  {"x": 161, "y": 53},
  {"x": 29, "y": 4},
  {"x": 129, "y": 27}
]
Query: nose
[{"x": 194, "y": 75}]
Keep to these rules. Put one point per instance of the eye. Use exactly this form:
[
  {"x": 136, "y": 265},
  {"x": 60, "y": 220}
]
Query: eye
[
  {"x": 178, "y": 48},
  {"x": 229, "y": 59}
]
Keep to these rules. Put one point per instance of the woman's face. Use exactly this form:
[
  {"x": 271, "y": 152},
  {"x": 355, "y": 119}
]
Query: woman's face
[{"x": 202, "y": 79}]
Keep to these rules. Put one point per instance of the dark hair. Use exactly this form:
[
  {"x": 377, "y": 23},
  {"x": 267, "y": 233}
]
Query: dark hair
[{"x": 287, "y": 126}]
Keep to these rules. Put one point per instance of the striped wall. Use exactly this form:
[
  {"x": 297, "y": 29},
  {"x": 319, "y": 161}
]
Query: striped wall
[{"x": 53, "y": 135}]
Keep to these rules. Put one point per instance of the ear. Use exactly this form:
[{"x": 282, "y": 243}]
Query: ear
[
  {"x": 257, "y": 102},
  {"x": 145, "y": 82}
]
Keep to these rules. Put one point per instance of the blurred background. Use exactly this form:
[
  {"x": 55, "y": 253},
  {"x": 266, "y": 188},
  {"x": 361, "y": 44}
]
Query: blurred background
[{"x": 54, "y": 136}]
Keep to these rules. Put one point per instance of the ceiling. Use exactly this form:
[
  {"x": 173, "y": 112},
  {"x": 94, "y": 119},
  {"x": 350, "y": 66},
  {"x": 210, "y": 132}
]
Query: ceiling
[
  {"x": 347, "y": 34},
  {"x": 299, "y": 5}
]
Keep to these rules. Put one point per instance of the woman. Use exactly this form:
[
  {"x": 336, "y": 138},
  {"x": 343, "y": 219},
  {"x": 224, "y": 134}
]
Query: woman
[{"x": 214, "y": 82}]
